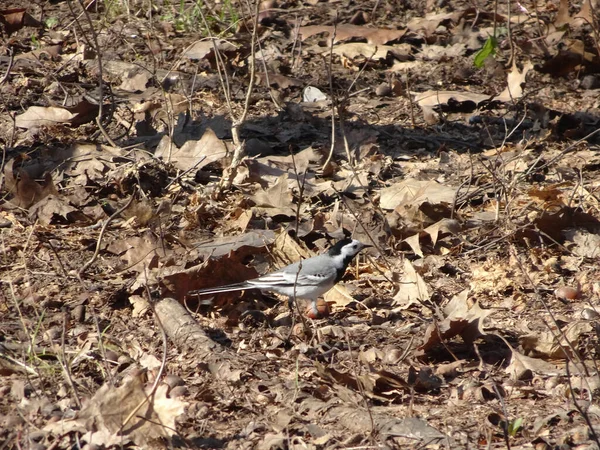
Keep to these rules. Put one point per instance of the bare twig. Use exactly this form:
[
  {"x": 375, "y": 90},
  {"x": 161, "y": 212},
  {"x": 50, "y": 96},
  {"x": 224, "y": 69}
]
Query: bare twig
[
  {"x": 239, "y": 151},
  {"x": 96, "y": 46},
  {"x": 585, "y": 414},
  {"x": 163, "y": 360},
  {"x": 65, "y": 364},
  {"x": 332, "y": 95},
  {"x": 9, "y": 68},
  {"x": 99, "y": 241},
  {"x": 556, "y": 331}
]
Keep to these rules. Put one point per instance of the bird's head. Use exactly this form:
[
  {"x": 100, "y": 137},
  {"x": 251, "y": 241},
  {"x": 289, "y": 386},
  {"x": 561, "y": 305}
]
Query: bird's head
[{"x": 347, "y": 248}]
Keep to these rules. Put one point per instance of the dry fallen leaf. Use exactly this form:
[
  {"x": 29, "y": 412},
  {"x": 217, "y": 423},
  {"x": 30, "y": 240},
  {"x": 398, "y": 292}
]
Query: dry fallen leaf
[
  {"x": 514, "y": 88},
  {"x": 195, "y": 154},
  {"x": 552, "y": 345},
  {"x": 103, "y": 421},
  {"x": 377, "y": 36},
  {"x": 413, "y": 289},
  {"x": 411, "y": 192},
  {"x": 460, "y": 320}
]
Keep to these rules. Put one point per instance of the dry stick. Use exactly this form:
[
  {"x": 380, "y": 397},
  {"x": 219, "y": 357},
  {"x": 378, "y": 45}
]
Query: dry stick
[
  {"x": 560, "y": 155},
  {"x": 163, "y": 363},
  {"x": 374, "y": 10},
  {"x": 300, "y": 195},
  {"x": 267, "y": 79},
  {"x": 296, "y": 34},
  {"x": 540, "y": 42},
  {"x": 62, "y": 267},
  {"x": 21, "y": 318},
  {"x": 62, "y": 360},
  {"x": 240, "y": 147},
  {"x": 361, "y": 388},
  {"x": 505, "y": 412},
  {"x": 367, "y": 232},
  {"x": 239, "y": 151},
  {"x": 343, "y": 131},
  {"x": 341, "y": 110},
  {"x": 182, "y": 174},
  {"x": 96, "y": 47},
  {"x": 410, "y": 101},
  {"x": 579, "y": 408},
  {"x": 560, "y": 333},
  {"x": 333, "y": 97},
  {"x": 24, "y": 252},
  {"x": 595, "y": 25},
  {"x": 10, "y": 64},
  {"x": 511, "y": 60},
  {"x": 103, "y": 351},
  {"x": 99, "y": 241}
]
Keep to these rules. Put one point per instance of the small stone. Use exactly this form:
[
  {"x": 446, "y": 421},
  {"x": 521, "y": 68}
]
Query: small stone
[
  {"x": 174, "y": 381},
  {"x": 53, "y": 334},
  {"x": 111, "y": 356},
  {"x": 37, "y": 436},
  {"x": 12, "y": 421},
  {"x": 590, "y": 82},
  {"x": 589, "y": 314},
  {"x": 178, "y": 391},
  {"x": 79, "y": 313},
  {"x": 383, "y": 90}
]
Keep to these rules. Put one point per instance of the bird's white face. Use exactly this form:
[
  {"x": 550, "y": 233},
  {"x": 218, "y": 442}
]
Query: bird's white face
[{"x": 352, "y": 248}]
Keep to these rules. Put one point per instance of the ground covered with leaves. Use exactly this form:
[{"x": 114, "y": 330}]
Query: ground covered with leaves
[{"x": 154, "y": 148}]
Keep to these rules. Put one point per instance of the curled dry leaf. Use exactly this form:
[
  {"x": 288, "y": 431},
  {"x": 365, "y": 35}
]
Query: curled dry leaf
[
  {"x": 103, "y": 420},
  {"x": 461, "y": 320},
  {"x": 377, "y": 36},
  {"x": 194, "y": 154},
  {"x": 15, "y": 19},
  {"x": 412, "y": 288},
  {"x": 552, "y": 345},
  {"x": 411, "y": 192}
]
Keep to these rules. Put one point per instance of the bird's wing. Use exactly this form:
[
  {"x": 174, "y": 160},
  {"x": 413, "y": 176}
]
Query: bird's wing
[{"x": 294, "y": 274}]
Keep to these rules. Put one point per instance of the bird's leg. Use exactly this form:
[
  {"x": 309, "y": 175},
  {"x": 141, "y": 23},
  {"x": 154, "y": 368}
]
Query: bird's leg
[
  {"x": 314, "y": 309},
  {"x": 291, "y": 305}
]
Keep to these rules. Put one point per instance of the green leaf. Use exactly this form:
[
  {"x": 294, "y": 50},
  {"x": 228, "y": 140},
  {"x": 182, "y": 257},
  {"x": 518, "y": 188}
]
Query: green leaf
[
  {"x": 51, "y": 22},
  {"x": 489, "y": 48},
  {"x": 515, "y": 426}
]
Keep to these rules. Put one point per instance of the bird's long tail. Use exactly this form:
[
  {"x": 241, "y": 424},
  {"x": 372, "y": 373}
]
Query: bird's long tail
[{"x": 226, "y": 288}]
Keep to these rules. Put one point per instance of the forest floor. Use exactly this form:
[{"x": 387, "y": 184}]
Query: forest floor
[{"x": 459, "y": 141}]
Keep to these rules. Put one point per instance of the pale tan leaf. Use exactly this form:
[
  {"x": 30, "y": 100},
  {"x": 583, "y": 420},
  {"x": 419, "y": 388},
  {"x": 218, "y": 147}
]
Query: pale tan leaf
[
  {"x": 516, "y": 78},
  {"x": 414, "y": 243},
  {"x": 339, "y": 295},
  {"x": 195, "y": 154},
  {"x": 354, "y": 49},
  {"x": 416, "y": 192},
  {"x": 435, "y": 98},
  {"x": 378, "y": 36},
  {"x": 412, "y": 288},
  {"x": 37, "y": 116},
  {"x": 104, "y": 417}
]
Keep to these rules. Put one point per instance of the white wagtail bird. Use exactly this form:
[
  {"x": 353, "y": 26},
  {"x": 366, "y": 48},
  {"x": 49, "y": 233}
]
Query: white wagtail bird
[{"x": 307, "y": 279}]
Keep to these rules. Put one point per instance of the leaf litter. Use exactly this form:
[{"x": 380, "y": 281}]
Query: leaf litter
[{"x": 476, "y": 185}]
